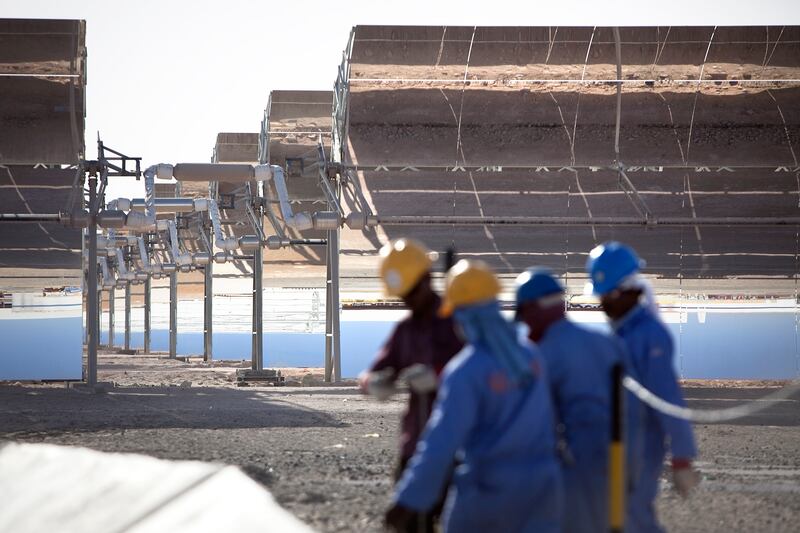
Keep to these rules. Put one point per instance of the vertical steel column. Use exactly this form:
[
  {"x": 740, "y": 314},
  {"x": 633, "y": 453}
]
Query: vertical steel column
[
  {"x": 91, "y": 289},
  {"x": 208, "y": 308},
  {"x": 258, "y": 311},
  {"x": 208, "y": 296},
  {"x": 173, "y": 315},
  {"x": 335, "y": 326},
  {"x": 127, "y": 316},
  {"x": 147, "y": 303},
  {"x": 99, "y": 316},
  {"x": 328, "y": 314},
  {"x": 111, "y": 318}
]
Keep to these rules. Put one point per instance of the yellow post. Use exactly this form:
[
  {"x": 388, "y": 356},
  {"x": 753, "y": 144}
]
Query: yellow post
[{"x": 616, "y": 456}]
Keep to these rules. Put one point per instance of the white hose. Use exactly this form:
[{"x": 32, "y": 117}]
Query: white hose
[{"x": 704, "y": 415}]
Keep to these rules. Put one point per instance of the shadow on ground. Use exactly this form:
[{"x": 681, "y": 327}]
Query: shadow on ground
[{"x": 31, "y": 410}]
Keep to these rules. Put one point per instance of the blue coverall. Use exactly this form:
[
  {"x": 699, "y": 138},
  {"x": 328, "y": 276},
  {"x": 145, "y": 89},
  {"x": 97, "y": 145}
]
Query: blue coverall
[
  {"x": 503, "y": 435},
  {"x": 650, "y": 350},
  {"x": 579, "y": 363}
]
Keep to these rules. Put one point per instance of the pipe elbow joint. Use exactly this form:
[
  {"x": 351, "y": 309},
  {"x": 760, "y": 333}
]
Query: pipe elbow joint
[{"x": 301, "y": 221}]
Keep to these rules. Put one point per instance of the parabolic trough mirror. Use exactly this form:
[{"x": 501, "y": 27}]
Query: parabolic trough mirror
[
  {"x": 41, "y": 321},
  {"x": 518, "y": 145},
  {"x": 42, "y": 80}
]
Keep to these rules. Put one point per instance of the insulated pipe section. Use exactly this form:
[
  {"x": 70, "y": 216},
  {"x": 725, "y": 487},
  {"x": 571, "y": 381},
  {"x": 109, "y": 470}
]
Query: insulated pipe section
[
  {"x": 108, "y": 281},
  {"x": 357, "y": 220},
  {"x": 181, "y": 259},
  {"x": 148, "y": 267},
  {"x": 172, "y": 205},
  {"x": 147, "y": 220},
  {"x": 220, "y": 241},
  {"x": 274, "y": 173},
  {"x": 228, "y": 172},
  {"x": 249, "y": 242},
  {"x": 122, "y": 268},
  {"x": 239, "y": 173}
]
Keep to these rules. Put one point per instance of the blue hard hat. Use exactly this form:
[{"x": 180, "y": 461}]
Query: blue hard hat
[
  {"x": 609, "y": 264},
  {"x": 536, "y": 283}
]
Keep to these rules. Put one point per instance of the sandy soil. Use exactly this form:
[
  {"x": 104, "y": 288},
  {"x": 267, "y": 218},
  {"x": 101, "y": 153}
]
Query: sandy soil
[{"x": 326, "y": 453}]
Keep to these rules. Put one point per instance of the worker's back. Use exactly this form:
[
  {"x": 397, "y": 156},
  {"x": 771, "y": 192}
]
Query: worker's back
[
  {"x": 503, "y": 435},
  {"x": 514, "y": 423},
  {"x": 579, "y": 363}
]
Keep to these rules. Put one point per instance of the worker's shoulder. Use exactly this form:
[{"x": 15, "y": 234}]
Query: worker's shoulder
[
  {"x": 411, "y": 323},
  {"x": 573, "y": 330},
  {"x": 471, "y": 359},
  {"x": 652, "y": 332},
  {"x": 653, "y": 326},
  {"x": 602, "y": 338}
]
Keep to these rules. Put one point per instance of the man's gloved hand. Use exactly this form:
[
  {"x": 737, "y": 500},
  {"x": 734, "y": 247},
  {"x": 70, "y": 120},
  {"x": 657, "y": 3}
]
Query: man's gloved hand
[
  {"x": 684, "y": 477},
  {"x": 420, "y": 378},
  {"x": 398, "y": 518},
  {"x": 379, "y": 384}
]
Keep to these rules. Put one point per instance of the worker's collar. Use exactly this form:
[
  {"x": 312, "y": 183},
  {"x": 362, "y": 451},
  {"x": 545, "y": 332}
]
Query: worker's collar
[
  {"x": 559, "y": 324},
  {"x": 629, "y": 317}
]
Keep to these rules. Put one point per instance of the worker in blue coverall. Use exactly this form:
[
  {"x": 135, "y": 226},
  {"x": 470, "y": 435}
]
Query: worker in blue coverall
[
  {"x": 627, "y": 298},
  {"x": 579, "y": 363},
  {"x": 494, "y": 416}
]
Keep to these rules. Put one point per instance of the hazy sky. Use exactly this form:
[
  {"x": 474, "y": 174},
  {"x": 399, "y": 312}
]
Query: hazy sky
[{"x": 164, "y": 77}]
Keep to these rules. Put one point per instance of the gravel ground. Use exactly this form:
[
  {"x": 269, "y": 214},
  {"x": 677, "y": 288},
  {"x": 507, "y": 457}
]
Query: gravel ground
[{"x": 326, "y": 452}]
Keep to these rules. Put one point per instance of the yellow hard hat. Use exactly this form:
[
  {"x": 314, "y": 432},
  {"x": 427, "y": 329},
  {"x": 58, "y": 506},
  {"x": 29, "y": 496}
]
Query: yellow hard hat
[
  {"x": 403, "y": 263},
  {"x": 468, "y": 282}
]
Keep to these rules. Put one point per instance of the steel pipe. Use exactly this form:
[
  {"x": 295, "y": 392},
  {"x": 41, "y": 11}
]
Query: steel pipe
[
  {"x": 228, "y": 172},
  {"x": 111, "y": 219},
  {"x": 326, "y": 220},
  {"x": 584, "y": 221},
  {"x": 28, "y": 217},
  {"x": 165, "y": 205},
  {"x": 274, "y": 242},
  {"x": 249, "y": 242}
]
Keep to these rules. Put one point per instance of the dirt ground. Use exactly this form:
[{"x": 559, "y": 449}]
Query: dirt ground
[{"x": 326, "y": 452}]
